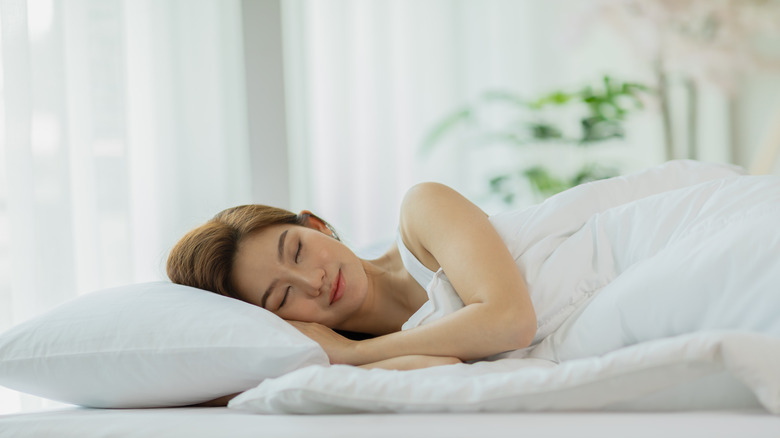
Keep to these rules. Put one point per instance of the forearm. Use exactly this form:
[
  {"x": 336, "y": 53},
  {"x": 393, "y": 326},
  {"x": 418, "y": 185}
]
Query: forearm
[
  {"x": 412, "y": 362},
  {"x": 473, "y": 332}
]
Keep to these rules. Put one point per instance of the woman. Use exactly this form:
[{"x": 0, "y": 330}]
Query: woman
[
  {"x": 458, "y": 285},
  {"x": 295, "y": 266}
]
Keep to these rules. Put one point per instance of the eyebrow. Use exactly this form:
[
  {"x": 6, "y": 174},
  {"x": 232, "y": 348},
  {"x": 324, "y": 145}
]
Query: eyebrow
[
  {"x": 267, "y": 292},
  {"x": 281, "y": 243}
]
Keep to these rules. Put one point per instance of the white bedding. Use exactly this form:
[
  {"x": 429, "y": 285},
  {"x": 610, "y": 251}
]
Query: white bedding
[
  {"x": 675, "y": 275},
  {"x": 688, "y": 320},
  {"x": 222, "y": 422},
  {"x": 698, "y": 371}
]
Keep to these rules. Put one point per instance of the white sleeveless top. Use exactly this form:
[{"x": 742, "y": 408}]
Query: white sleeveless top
[
  {"x": 544, "y": 248},
  {"x": 442, "y": 298}
]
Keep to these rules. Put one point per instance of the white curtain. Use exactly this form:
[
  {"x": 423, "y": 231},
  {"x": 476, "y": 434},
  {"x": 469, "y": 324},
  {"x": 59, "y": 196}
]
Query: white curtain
[
  {"x": 369, "y": 80},
  {"x": 123, "y": 124}
]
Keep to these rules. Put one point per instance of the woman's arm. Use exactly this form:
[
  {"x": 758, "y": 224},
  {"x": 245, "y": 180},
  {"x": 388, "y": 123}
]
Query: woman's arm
[
  {"x": 443, "y": 229},
  {"x": 412, "y": 362},
  {"x": 401, "y": 363}
]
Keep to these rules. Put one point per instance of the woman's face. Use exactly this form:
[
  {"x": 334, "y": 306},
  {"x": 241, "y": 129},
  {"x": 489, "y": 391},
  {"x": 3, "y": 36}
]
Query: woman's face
[{"x": 300, "y": 274}]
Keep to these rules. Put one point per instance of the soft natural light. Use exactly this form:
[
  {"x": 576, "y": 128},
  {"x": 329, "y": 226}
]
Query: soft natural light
[
  {"x": 126, "y": 123},
  {"x": 40, "y": 16},
  {"x": 108, "y": 155},
  {"x": 46, "y": 134}
]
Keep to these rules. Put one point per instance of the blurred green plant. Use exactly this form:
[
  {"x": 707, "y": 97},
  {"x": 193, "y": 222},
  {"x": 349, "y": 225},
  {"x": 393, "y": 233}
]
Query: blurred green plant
[{"x": 602, "y": 111}]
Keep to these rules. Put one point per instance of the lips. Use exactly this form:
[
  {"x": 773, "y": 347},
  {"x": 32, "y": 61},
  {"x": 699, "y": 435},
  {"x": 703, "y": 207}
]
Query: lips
[{"x": 337, "y": 289}]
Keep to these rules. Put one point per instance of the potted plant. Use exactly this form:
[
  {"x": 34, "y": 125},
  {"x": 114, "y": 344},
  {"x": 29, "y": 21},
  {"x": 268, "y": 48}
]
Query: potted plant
[{"x": 600, "y": 112}]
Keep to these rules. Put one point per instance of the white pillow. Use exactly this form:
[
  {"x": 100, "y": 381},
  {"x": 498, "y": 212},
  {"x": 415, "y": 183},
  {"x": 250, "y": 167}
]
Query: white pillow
[{"x": 149, "y": 345}]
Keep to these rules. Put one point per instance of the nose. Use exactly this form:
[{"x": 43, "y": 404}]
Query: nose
[{"x": 311, "y": 281}]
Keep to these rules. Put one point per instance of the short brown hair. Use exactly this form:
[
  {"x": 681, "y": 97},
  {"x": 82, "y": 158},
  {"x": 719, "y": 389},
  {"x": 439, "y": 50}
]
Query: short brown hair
[{"x": 203, "y": 258}]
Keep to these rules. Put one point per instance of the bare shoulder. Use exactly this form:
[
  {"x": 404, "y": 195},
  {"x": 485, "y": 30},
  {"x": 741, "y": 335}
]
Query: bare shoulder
[
  {"x": 430, "y": 212},
  {"x": 445, "y": 230},
  {"x": 429, "y": 191}
]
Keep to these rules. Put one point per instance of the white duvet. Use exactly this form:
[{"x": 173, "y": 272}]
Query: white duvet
[{"x": 659, "y": 290}]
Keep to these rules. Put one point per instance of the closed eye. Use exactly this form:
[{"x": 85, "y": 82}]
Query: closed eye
[
  {"x": 284, "y": 298},
  {"x": 298, "y": 252}
]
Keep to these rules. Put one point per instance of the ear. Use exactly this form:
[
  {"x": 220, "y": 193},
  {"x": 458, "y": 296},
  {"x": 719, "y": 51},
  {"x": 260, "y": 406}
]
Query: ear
[{"x": 310, "y": 220}]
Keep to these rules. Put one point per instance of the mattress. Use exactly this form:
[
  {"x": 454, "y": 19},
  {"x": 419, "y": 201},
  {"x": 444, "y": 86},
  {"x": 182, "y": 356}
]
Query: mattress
[{"x": 213, "y": 422}]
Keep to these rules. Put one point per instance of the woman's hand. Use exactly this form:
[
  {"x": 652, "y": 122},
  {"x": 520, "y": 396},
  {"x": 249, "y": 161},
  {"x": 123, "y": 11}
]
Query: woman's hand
[
  {"x": 412, "y": 362},
  {"x": 340, "y": 350}
]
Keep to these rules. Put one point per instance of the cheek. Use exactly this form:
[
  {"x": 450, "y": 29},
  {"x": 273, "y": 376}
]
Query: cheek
[
  {"x": 322, "y": 250},
  {"x": 298, "y": 310},
  {"x": 331, "y": 254}
]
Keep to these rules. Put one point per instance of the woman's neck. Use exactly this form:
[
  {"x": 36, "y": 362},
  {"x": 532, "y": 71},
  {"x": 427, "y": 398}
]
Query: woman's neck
[{"x": 394, "y": 297}]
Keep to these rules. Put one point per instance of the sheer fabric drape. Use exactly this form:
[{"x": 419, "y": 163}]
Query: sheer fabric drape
[
  {"x": 123, "y": 125},
  {"x": 368, "y": 81}
]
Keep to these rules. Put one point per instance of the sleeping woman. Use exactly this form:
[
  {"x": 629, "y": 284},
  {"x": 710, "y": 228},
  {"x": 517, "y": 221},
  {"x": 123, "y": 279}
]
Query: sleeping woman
[
  {"x": 295, "y": 266},
  {"x": 457, "y": 285}
]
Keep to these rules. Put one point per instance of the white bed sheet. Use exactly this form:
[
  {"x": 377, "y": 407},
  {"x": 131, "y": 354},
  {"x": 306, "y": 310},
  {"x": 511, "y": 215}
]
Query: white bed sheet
[{"x": 217, "y": 422}]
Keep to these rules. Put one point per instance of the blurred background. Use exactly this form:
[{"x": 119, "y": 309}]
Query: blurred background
[{"x": 124, "y": 123}]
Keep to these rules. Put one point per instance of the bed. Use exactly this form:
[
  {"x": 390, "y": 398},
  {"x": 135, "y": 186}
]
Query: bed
[
  {"x": 680, "y": 336},
  {"x": 215, "y": 422}
]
